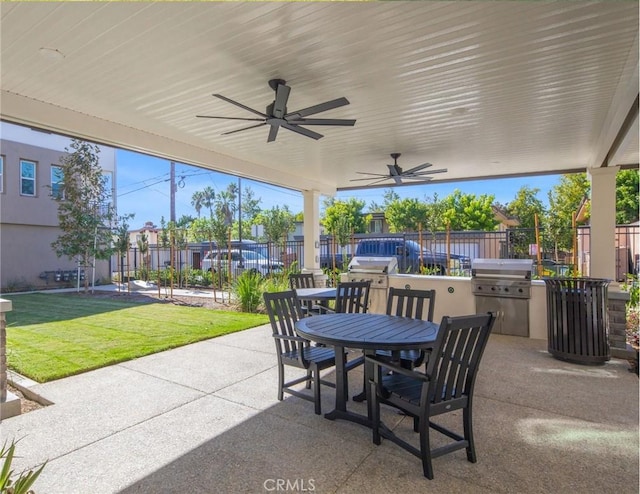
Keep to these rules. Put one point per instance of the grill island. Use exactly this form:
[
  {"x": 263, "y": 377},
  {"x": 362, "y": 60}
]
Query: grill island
[
  {"x": 503, "y": 286},
  {"x": 376, "y": 270}
]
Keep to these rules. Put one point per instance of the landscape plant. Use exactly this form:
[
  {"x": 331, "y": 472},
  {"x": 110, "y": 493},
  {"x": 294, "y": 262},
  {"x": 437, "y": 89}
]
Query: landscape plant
[
  {"x": 10, "y": 482},
  {"x": 248, "y": 291},
  {"x": 85, "y": 209}
]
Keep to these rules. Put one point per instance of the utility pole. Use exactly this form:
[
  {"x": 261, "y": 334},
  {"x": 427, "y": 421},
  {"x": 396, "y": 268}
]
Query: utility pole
[{"x": 240, "y": 213}]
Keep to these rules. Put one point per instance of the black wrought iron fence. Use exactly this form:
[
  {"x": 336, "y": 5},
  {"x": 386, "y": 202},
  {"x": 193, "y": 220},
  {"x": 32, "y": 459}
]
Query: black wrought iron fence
[{"x": 463, "y": 246}]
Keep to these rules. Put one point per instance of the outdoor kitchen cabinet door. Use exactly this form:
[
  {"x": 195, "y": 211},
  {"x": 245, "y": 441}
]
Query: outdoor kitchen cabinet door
[{"x": 512, "y": 314}]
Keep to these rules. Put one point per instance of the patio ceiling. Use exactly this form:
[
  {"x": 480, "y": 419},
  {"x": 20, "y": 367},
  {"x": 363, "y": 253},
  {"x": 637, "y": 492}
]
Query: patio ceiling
[{"x": 483, "y": 89}]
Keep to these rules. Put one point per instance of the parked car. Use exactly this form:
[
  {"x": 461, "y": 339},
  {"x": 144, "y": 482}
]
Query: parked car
[
  {"x": 249, "y": 261},
  {"x": 411, "y": 257}
]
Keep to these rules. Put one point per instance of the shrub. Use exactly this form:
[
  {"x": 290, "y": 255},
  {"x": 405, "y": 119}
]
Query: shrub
[
  {"x": 9, "y": 482},
  {"x": 248, "y": 291}
]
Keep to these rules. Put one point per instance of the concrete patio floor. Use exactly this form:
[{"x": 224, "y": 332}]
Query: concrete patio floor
[{"x": 204, "y": 419}]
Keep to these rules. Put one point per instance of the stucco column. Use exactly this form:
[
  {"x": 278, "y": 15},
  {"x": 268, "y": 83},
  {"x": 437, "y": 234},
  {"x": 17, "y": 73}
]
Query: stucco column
[
  {"x": 5, "y": 306},
  {"x": 602, "y": 260},
  {"x": 311, "y": 231}
]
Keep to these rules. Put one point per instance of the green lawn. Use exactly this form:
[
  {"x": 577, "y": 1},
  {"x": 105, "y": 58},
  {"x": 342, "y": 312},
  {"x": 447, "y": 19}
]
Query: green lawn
[{"x": 50, "y": 336}]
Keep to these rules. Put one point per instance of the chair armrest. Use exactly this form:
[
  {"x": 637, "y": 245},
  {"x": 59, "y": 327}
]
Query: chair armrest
[
  {"x": 290, "y": 338},
  {"x": 377, "y": 362}
]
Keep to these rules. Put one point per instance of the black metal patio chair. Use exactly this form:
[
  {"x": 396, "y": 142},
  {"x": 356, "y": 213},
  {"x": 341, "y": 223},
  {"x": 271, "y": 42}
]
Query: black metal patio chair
[
  {"x": 284, "y": 310},
  {"x": 447, "y": 386}
]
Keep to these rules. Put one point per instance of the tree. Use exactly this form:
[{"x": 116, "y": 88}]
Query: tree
[
  {"x": 248, "y": 212},
  {"x": 627, "y": 202},
  {"x": 405, "y": 215},
  {"x": 469, "y": 212},
  {"x": 197, "y": 201},
  {"x": 350, "y": 212},
  {"x": 143, "y": 249},
  {"x": 277, "y": 223},
  {"x": 434, "y": 218},
  {"x": 85, "y": 212},
  {"x": 121, "y": 242},
  {"x": 525, "y": 206},
  {"x": 564, "y": 200}
]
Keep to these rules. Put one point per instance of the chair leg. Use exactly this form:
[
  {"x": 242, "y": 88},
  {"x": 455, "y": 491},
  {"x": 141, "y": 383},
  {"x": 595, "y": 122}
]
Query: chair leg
[
  {"x": 468, "y": 434},
  {"x": 280, "y": 382},
  {"x": 375, "y": 414},
  {"x": 309, "y": 379},
  {"x": 316, "y": 391},
  {"x": 425, "y": 449}
]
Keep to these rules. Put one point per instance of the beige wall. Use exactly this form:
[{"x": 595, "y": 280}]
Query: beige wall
[{"x": 28, "y": 225}]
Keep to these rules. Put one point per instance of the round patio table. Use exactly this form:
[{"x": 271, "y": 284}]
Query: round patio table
[{"x": 368, "y": 332}]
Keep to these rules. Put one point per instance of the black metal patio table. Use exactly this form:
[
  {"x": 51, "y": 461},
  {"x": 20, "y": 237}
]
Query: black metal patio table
[{"x": 368, "y": 332}]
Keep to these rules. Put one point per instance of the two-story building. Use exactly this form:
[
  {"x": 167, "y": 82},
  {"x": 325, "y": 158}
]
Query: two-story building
[{"x": 29, "y": 175}]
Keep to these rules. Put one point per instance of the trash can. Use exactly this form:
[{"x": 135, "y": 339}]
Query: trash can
[{"x": 577, "y": 321}]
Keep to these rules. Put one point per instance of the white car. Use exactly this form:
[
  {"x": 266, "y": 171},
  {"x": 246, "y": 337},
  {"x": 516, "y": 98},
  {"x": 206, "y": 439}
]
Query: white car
[{"x": 249, "y": 261}]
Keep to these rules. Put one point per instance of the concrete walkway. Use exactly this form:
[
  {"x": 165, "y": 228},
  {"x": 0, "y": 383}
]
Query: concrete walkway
[{"x": 204, "y": 419}]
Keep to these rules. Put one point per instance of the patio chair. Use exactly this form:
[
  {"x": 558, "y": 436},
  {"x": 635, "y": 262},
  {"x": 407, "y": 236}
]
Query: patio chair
[
  {"x": 284, "y": 310},
  {"x": 447, "y": 386},
  {"x": 306, "y": 280},
  {"x": 404, "y": 302},
  {"x": 352, "y": 297}
]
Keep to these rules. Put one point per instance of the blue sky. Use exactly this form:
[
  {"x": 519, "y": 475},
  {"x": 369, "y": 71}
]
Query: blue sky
[{"x": 143, "y": 188}]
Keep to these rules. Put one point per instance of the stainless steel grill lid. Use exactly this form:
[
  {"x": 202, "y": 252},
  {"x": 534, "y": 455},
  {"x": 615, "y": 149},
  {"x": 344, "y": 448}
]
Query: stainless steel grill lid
[
  {"x": 373, "y": 265},
  {"x": 502, "y": 268}
]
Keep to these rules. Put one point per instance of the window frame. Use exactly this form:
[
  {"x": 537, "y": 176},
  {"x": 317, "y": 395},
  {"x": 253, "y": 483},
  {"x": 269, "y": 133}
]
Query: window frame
[
  {"x": 32, "y": 179},
  {"x": 60, "y": 193},
  {"x": 1, "y": 173}
]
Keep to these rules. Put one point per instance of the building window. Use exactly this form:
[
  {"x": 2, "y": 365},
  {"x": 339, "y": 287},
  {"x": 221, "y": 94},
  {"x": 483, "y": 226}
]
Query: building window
[
  {"x": 57, "y": 182},
  {"x": 375, "y": 226},
  {"x": 27, "y": 178},
  {"x": 1, "y": 174}
]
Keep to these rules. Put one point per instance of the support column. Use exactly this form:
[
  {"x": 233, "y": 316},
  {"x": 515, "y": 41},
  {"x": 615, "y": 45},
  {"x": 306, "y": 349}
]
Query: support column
[
  {"x": 9, "y": 403},
  {"x": 311, "y": 230},
  {"x": 602, "y": 259}
]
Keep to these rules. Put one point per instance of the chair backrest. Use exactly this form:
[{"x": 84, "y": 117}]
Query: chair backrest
[
  {"x": 302, "y": 280},
  {"x": 454, "y": 361},
  {"x": 411, "y": 303},
  {"x": 352, "y": 296},
  {"x": 283, "y": 309}
]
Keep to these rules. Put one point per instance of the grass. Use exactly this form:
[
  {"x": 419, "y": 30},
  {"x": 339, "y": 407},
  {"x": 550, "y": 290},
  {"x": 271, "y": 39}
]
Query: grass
[{"x": 50, "y": 336}]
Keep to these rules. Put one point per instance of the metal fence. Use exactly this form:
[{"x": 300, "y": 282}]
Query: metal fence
[{"x": 508, "y": 244}]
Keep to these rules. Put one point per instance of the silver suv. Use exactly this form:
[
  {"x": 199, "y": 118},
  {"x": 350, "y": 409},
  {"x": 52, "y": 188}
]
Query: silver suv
[{"x": 249, "y": 261}]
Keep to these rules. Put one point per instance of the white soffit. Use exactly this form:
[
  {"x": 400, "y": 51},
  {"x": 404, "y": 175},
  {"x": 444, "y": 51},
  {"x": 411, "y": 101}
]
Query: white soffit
[{"x": 481, "y": 88}]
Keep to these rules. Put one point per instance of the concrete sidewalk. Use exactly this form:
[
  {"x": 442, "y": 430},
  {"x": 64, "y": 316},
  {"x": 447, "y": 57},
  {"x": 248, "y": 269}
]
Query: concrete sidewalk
[{"x": 204, "y": 419}]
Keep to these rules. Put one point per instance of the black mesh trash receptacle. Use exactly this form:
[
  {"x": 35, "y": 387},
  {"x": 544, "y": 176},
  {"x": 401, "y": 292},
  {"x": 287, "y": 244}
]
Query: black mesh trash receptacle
[{"x": 577, "y": 319}]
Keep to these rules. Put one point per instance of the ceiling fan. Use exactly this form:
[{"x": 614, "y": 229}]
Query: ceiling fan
[
  {"x": 398, "y": 175},
  {"x": 276, "y": 114}
]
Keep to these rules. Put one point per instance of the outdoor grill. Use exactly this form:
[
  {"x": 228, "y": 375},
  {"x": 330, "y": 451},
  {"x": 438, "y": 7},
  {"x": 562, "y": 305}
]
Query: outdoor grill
[
  {"x": 374, "y": 269},
  {"x": 503, "y": 286}
]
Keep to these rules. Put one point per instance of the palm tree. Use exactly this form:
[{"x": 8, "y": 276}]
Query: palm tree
[{"x": 197, "y": 201}]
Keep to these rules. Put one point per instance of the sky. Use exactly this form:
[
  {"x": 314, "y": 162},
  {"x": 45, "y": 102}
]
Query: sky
[{"x": 143, "y": 188}]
